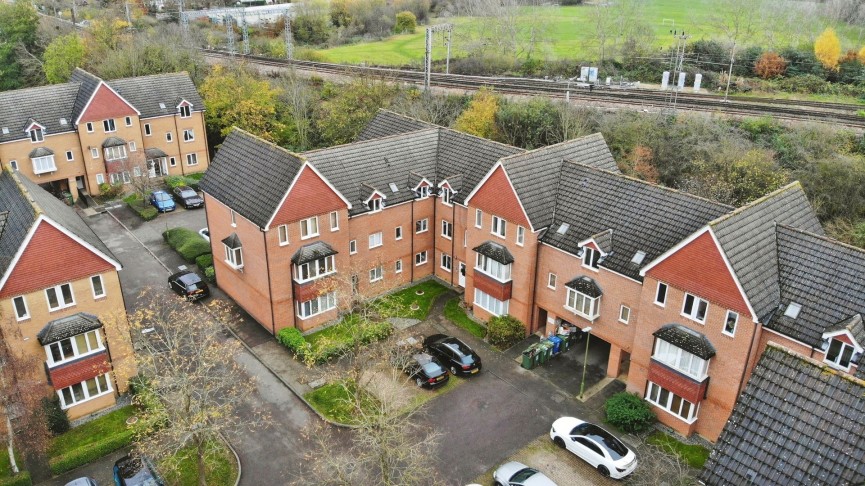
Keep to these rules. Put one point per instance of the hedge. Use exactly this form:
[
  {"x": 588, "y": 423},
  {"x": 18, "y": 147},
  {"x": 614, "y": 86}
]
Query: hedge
[
  {"x": 191, "y": 180},
  {"x": 505, "y": 331},
  {"x": 292, "y": 339},
  {"x": 210, "y": 274},
  {"x": 629, "y": 412},
  {"x": 20, "y": 479},
  {"x": 188, "y": 243},
  {"x": 138, "y": 206},
  {"x": 89, "y": 453},
  {"x": 204, "y": 261}
]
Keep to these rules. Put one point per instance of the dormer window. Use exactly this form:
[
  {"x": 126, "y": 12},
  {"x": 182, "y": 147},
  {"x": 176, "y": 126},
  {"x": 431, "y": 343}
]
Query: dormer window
[
  {"x": 447, "y": 196},
  {"x": 185, "y": 111},
  {"x": 423, "y": 191},
  {"x": 840, "y": 354},
  {"x": 37, "y": 135},
  {"x": 375, "y": 204},
  {"x": 591, "y": 258}
]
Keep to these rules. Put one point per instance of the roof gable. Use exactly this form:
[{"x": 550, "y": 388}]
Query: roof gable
[
  {"x": 308, "y": 195},
  {"x": 496, "y": 195},
  {"x": 105, "y": 103}
]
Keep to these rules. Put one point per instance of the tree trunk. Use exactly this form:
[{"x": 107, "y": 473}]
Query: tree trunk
[
  {"x": 9, "y": 447},
  {"x": 199, "y": 442}
]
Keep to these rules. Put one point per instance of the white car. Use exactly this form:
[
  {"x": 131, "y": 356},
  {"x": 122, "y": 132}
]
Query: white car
[
  {"x": 518, "y": 474},
  {"x": 205, "y": 233},
  {"x": 594, "y": 445}
]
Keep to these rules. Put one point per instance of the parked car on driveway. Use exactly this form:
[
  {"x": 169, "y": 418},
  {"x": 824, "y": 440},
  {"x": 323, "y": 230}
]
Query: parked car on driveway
[
  {"x": 187, "y": 197},
  {"x": 135, "y": 471},
  {"x": 594, "y": 445},
  {"x": 82, "y": 482},
  {"x": 518, "y": 474},
  {"x": 205, "y": 233},
  {"x": 424, "y": 369},
  {"x": 456, "y": 355},
  {"x": 189, "y": 284},
  {"x": 162, "y": 201}
]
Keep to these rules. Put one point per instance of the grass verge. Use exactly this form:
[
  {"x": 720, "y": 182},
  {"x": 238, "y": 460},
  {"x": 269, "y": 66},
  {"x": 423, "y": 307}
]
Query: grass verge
[
  {"x": 6, "y": 477},
  {"x": 694, "y": 455},
  {"x": 406, "y": 297},
  {"x": 182, "y": 468},
  {"x": 336, "y": 401},
  {"x": 90, "y": 441},
  {"x": 458, "y": 316}
]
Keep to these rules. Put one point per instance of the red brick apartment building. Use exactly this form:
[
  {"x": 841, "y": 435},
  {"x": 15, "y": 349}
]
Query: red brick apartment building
[
  {"x": 686, "y": 291},
  {"x": 74, "y": 136},
  {"x": 60, "y": 299}
]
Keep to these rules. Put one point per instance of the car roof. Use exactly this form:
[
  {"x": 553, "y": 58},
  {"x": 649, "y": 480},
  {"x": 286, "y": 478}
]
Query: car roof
[
  {"x": 186, "y": 277},
  {"x": 423, "y": 358}
]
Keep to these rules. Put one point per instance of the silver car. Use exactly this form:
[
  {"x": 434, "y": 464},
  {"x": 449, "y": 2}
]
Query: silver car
[{"x": 518, "y": 474}]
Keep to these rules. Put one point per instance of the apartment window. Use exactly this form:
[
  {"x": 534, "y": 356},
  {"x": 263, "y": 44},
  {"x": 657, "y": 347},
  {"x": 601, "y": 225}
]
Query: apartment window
[
  {"x": 421, "y": 226},
  {"x": 582, "y": 304},
  {"x": 680, "y": 360},
  {"x": 309, "y": 227},
  {"x": 37, "y": 135},
  {"x": 115, "y": 153},
  {"x": 375, "y": 204},
  {"x": 136, "y": 171},
  {"x": 13, "y": 164},
  {"x": 661, "y": 294},
  {"x": 423, "y": 192},
  {"x": 191, "y": 159},
  {"x": 234, "y": 257},
  {"x": 128, "y": 121},
  {"x": 100, "y": 179},
  {"x": 499, "y": 227},
  {"x": 89, "y": 127},
  {"x": 521, "y": 235},
  {"x": 59, "y": 297},
  {"x": 376, "y": 274},
  {"x": 94, "y": 152},
  {"x": 21, "y": 310},
  {"x": 494, "y": 269},
  {"x": 172, "y": 161},
  {"x": 188, "y": 135},
  {"x": 397, "y": 266},
  {"x": 185, "y": 111},
  {"x": 73, "y": 347},
  {"x": 398, "y": 233},
  {"x": 446, "y": 262},
  {"x": 132, "y": 147},
  {"x": 420, "y": 258},
  {"x": 69, "y": 156},
  {"x": 839, "y": 354},
  {"x": 551, "y": 280},
  {"x": 169, "y": 137},
  {"x": 624, "y": 314},
  {"x": 447, "y": 196},
  {"x": 283, "y": 234},
  {"x": 447, "y": 229},
  {"x": 147, "y": 131},
  {"x": 375, "y": 240},
  {"x": 44, "y": 164},
  {"x": 591, "y": 258},
  {"x": 479, "y": 218},
  {"x": 334, "y": 221},
  {"x": 118, "y": 177},
  {"x": 97, "y": 286},
  {"x": 671, "y": 402},
  {"x": 490, "y": 304},
  {"x": 730, "y": 323},
  {"x": 695, "y": 308},
  {"x": 352, "y": 247},
  {"x": 84, "y": 391},
  {"x": 316, "y": 306},
  {"x": 315, "y": 269},
  {"x": 108, "y": 125}
]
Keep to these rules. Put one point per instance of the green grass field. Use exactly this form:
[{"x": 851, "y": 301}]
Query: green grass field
[{"x": 567, "y": 33}]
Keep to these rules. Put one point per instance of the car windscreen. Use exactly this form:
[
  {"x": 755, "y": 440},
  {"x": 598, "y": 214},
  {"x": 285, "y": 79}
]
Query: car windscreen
[
  {"x": 522, "y": 475},
  {"x": 190, "y": 279},
  {"x": 161, "y": 196},
  {"x": 462, "y": 351},
  {"x": 188, "y": 193},
  {"x": 432, "y": 369},
  {"x": 613, "y": 445}
]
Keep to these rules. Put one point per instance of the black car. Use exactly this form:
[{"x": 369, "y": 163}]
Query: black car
[
  {"x": 455, "y": 354},
  {"x": 134, "y": 471},
  {"x": 187, "y": 197},
  {"x": 189, "y": 285},
  {"x": 426, "y": 370}
]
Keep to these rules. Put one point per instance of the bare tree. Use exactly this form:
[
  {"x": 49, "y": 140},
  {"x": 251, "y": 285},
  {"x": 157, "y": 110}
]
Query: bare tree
[
  {"x": 298, "y": 98},
  {"x": 660, "y": 465},
  {"x": 438, "y": 109},
  {"x": 504, "y": 32},
  {"x": 136, "y": 170},
  {"x": 575, "y": 121}
]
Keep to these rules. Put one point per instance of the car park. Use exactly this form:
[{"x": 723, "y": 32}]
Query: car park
[
  {"x": 187, "y": 197},
  {"x": 135, "y": 471},
  {"x": 456, "y": 355},
  {"x": 601, "y": 449},
  {"x": 189, "y": 284},
  {"x": 518, "y": 474},
  {"x": 162, "y": 201}
]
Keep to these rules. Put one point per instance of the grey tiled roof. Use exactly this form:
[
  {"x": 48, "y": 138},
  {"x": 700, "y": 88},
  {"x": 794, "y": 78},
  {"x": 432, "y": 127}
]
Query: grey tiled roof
[
  {"x": 854, "y": 325},
  {"x": 45, "y": 104},
  {"x": 747, "y": 236},
  {"x": 468, "y": 156},
  {"x": 537, "y": 174},
  {"x": 798, "y": 422},
  {"x": 585, "y": 285},
  {"x": 250, "y": 175},
  {"x": 146, "y": 92},
  {"x": 232, "y": 241},
  {"x": 387, "y": 123},
  {"x": 644, "y": 217},
  {"x": 113, "y": 142},
  {"x": 824, "y": 276},
  {"x": 40, "y": 152},
  {"x": 687, "y": 339},
  {"x": 66, "y": 327},
  {"x": 495, "y": 251},
  {"x": 311, "y": 252}
]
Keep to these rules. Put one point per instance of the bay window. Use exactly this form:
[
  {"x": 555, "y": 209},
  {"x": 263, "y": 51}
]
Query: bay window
[
  {"x": 490, "y": 304},
  {"x": 44, "y": 164},
  {"x": 671, "y": 402},
  {"x": 315, "y": 269},
  {"x": 317, "y": 305},
  {"x": 86, "y": 390},
  {"x": 680, "y": 360},
  {"x": 582, "y": 305},
  {"x": 115, "y": 153},
  {"x": 492, "y": 268},
  {"x": 73, "y": 347}
]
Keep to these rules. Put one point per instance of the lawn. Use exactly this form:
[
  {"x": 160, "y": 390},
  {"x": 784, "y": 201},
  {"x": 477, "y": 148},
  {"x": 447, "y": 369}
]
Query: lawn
[
  {"x": 336, "y": 402},
  {"x": 458, "y": 316},
  {"x": 110, "y": 424},
  {"x": 694, "y": 455},
  {"x": 406, "y": 297},
  {"x": 222, "y": 471}
]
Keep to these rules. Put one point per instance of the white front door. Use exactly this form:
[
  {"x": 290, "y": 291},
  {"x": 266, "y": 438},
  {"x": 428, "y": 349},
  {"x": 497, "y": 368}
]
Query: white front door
[{"x": 462, "y": 275}]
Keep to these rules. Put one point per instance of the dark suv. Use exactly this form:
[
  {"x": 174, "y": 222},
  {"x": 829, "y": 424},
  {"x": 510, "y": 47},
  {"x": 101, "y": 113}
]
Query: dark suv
[
  {"x": 187, "y": 197},
  {"x": 456, "y": 355}
]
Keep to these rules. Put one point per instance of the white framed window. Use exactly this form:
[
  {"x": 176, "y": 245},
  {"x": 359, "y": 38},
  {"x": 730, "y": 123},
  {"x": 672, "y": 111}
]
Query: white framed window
[
  {"x": 84, "y": 391},
  {"x": 591, "y": 258},
  {"x": 375, "y": 204},
  {"x": 118, "y": 177},
  {"x": 375, "y": 240},
  {"x": 313, "y": 307},
  {"x": 446, "y": 262},
  {"x": 185, "y": 111},
  {"x": 59, "y": 297},
  {"x": 839, "y": 354},
  {"x": 423, "y": 192},
  {"x": 315, "y": 269},
  {"x": 94, "y": 153},
  {"x": 115, "y": 153},
  {"x": 100, "y": 179},
  {"x": 421, "y": 225},
  {"x": 89, "y": 127},
  {"x": 490, "y": 304},
  {"x": 169, "y": 137},
  {"x": 661, "y": 294},
  {"x": 420, "y": 258},
  {"x": 499, "y": 227},
  {"x": 309, "y": 228},
  {"x": 376, "y": 274},
  {"x": 13, "y": 164},
  {"x": 582, "y": 305},
  {"x": 191, "y": 159},
  {"x": 172, "y": 162},
  {"x": 147, "y": 131},
  {"x": 21, "y": 310},
  {"x": 334, "y": 221},
  {"x": 128, "y": 121},
  {"x": 97, "y": 286},
  {"x": 282, "y": 231},
  {"x": 37, "y": 135},
  {"x": 73, "y": 347},
  {"x": 521, "y": 235},
  {"x": 108, "y": 125},
  {"x": 695, "y": 308},
  {"x": 671, "y": 402},
  {"x": 492, "y": 268},
  {"x": 44, "y": 164},
  {"x": 188, "y": 135},
  {"x": 233, "y": 217},
  {"x": 730, "y": 323},
  {"x": 680, "y": 360},
  {"x": 398, "y": 233},
  {"x": 70, "y": 156},
  {"x": 447, "y": 229},
  {"x": 132, "y": 147},
  {"x": 552, "y": 279},
  {"x": 479, "y": 218},
  {"x": 447, "y": 196},
  {"x": 624, "y": 314},
  {"x": 234, "y": 257},
  {"x": 397, "y": 267},
  {"x": 352, "y": 247}
]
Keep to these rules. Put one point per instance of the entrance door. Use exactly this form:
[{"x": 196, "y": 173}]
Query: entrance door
[{"x": 462, "y": 275}]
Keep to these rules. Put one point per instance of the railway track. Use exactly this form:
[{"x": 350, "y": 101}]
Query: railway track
[{"x": 834, "y": 113}]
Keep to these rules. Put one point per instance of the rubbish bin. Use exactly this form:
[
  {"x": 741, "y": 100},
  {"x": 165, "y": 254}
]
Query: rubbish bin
[
  {"x": 536, "y": 355},
  {"x": 556, "y": 343},
  {"x": 544, "y": 351},
  {"x": 529, "y": 358},
  {"x": 566, "y": 341}
]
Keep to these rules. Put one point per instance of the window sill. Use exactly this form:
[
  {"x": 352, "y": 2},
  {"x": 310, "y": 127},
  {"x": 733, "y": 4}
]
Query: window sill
[
  {"x": 660, "y": 304},
  {"x": 446, "y": 269},
  {"x": 447, "y": 237},
  {"x": 687, "y": 421},
  {"x": 58, "y": 309},
  {"x": 308, "y": 236},
  {"x": 319, "y": 277},
  {"x": 376, "y": 246},
  {"x": 419, "y": 264},
  {"x": 589, "y": 267},
  {"x": 686, "y": 316},
  {"x": 239, "y": 268},
  {"x": 302, "y": 318},
  {"x": 503, "y": 237},
  {"x": 284, "y": 244},
  {"x": 836, "y": 366},
  {"x": 623, "y": 322},
  {"x": 22, "y": 319}
]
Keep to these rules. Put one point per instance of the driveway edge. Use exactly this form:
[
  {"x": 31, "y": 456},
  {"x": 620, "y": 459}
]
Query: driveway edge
[{"x": 237, "y": 457}]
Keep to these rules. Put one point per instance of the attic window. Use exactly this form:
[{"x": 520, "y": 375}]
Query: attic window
[
  {"x": 5, "y": 130},
  {"x": 375, "y": 204},
  {"x": 840, "y": 354},
  {"x": 638, "y": 257},
  {"x": 393, "y": 187},
  {"x": 563, "y": 228},
  {"x": 162, "y": 106},
  {"x": 423, "y": 191},
  {"x": 185, "y": 111},
  {"x": 37, "y": 135},
  {"x": 63, "y": 121},
  {"x": 793, "y": 310}
]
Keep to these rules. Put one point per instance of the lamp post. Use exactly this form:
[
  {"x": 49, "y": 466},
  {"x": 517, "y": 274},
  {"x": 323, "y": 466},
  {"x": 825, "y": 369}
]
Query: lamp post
[{"x": 588, "y": 331}]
